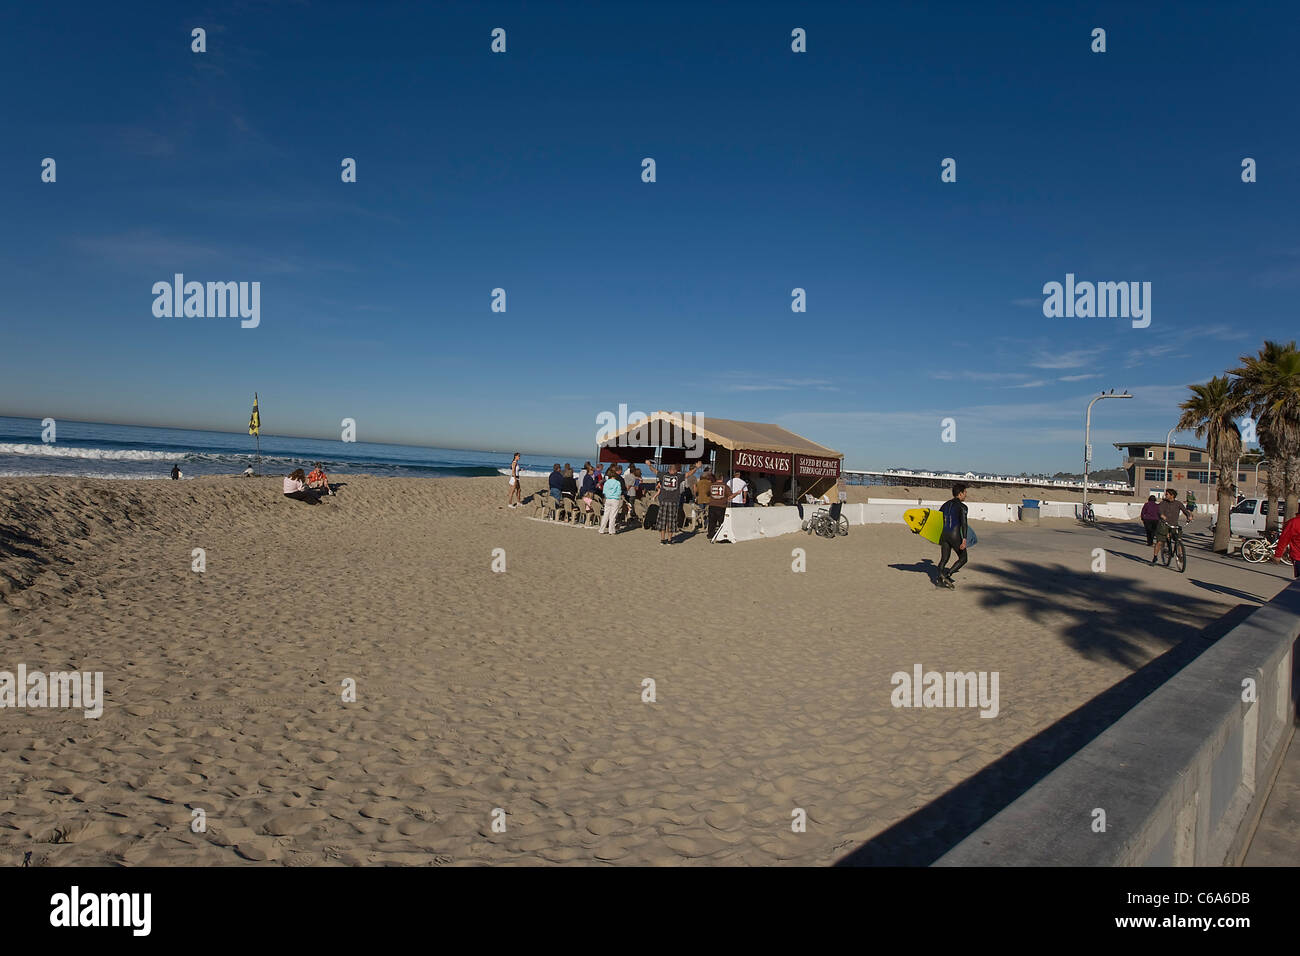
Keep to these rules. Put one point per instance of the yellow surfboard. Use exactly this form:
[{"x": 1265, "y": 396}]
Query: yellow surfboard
[{"x": 927, "y": 522}]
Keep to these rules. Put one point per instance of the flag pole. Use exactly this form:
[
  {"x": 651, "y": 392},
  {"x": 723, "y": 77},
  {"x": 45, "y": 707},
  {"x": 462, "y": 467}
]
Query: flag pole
[{"x": 255, "y": 427}]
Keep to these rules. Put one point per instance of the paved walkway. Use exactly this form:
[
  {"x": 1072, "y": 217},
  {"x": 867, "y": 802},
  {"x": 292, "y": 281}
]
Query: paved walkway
[{"x": 1277, "y": 840}]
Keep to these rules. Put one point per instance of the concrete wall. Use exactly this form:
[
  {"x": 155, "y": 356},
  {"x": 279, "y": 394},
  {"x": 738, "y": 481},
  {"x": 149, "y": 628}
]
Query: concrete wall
[
  {"x": 1114, "y": 510},
  {"x": 747, "y": 524},
  {"x": 1182, "y": 777}
]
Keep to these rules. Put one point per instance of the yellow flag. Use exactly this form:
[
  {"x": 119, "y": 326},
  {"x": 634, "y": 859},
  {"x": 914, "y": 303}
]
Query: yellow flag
[{"x": 255, "y": 423}]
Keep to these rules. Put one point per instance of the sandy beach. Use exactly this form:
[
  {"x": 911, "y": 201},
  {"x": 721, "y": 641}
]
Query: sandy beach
[{"x": 523, "y": 690}]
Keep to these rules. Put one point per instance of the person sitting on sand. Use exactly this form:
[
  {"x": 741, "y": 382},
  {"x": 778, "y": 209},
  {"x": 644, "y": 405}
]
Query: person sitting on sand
[
  {"x": 295, "y": 486},
  {"x": 248, "y": 472},
  {"x": 569, "y": 490},
  {"x": 556, "y": 484},
  {"x": 588, "y": 489},
  {"x": 318, "y": 479},
  {"x": 176, "y": 472}
]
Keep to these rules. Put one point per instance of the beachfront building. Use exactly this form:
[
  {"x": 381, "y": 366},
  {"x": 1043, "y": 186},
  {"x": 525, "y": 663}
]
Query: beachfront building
[
  {"x": 767, "y": 455},
  {"x": 1189, "y": 469}
]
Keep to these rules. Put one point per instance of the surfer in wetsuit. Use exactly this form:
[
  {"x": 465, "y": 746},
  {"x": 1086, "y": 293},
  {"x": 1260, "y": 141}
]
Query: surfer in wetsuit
[{"x": 953, "y": 536}]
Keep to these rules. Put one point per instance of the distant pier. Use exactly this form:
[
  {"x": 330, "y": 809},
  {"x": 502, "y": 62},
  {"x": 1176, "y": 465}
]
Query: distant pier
[{"x": 934, "y": 479}]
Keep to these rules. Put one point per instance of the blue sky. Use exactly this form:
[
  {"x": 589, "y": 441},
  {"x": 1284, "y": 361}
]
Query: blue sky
[{"x": 522, "y": 171}]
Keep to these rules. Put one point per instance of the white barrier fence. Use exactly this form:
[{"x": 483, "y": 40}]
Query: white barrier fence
[
  {"x": 747, "y": 524},
  {"x": 977, "y": 510}
]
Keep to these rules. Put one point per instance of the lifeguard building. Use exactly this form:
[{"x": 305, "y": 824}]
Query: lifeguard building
[{"x": 1188, "y": 468}]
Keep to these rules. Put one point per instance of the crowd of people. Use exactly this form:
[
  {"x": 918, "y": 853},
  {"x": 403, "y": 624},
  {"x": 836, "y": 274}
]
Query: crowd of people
[{"x": 611, "y": 495}]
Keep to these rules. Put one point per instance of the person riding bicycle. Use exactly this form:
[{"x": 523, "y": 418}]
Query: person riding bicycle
[{"x": 1170, "y": 509}]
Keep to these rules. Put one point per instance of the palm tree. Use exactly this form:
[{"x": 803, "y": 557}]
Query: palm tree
[
  {"x": 1268, "y": 387},
  {"x": 1209, "y": 414}
]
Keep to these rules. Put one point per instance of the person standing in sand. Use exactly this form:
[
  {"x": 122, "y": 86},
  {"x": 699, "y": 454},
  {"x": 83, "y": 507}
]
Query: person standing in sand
[
  {"x": 718, "y": 494},
  {"x": 739, "y": 488},
  {"x": 632, "y": 487},
  {"x": 954, "y": 535},
  {"x": 613, "y": 501},
  {"x": 515, "y": 496},
  {"x": 671, "y": 486}
]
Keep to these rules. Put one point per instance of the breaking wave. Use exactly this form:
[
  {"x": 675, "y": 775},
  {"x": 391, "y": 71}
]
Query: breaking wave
[{"x": 99, "y": 454}]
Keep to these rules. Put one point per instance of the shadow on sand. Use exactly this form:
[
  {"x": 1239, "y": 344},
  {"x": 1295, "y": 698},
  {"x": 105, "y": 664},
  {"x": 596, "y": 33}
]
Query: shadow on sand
[{"x": 1107, "y": 613}]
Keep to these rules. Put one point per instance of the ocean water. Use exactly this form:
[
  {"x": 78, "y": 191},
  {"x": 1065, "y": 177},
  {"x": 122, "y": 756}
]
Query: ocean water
[{"x": 88, "y": 449}]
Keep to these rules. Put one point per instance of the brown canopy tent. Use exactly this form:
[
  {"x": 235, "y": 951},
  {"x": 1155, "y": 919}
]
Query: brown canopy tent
[{"x": 794, "y": 464}]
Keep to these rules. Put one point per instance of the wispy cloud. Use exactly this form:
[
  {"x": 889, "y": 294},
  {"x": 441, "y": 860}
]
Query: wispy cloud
[
  {"x": 141, "y": 141},
  {"x": 1285, "y": 272},
  {"x": 1153, "y": 353},
  {"x": 1036, "y": 383},
  {"x": 280, "y": 208},
  {"x": 1077, "y": 358},
  {"x": 969, "y": 375},
  {"x": 149, "y": 250},
  {"x": 781, "y": 385},
  {"x": 144, "y": 248},
  {"x": 1223, "y": 333},
  {"x": 1079, "y": 378}
]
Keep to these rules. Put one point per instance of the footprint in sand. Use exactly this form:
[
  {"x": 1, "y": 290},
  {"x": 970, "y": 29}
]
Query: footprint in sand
[{"x": 293, "y": 822}]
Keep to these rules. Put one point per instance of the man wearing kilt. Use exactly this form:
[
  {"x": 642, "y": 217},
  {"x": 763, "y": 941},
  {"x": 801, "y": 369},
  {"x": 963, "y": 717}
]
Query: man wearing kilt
[{"x": 670, "y": 499}]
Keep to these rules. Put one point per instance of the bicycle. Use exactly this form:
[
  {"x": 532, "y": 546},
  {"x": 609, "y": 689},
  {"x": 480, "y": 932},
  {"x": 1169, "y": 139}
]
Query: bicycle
[
  {"x": 1259, "y": 550},
  {"x": 1173, "y": 551}
]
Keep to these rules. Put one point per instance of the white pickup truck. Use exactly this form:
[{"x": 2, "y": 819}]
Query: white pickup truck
[{"x": 1248, "y": 517}]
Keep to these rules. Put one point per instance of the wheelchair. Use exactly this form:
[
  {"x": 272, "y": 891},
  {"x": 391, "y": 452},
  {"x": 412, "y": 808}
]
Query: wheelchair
[{"x": 827, "y": 522}]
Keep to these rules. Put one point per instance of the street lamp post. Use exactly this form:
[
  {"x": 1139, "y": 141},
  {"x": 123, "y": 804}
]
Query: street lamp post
[
  {"x": 1087, "y": 441},
  {"x": 1257, "y": 464},
  {"x": 1167, "y": 439}
]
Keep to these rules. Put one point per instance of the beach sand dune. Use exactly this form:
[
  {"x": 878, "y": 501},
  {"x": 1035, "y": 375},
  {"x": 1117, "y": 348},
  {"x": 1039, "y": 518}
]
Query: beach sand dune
[{"x": 519, "y": 692}]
